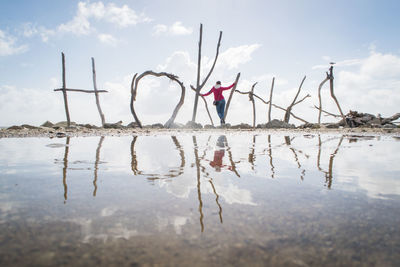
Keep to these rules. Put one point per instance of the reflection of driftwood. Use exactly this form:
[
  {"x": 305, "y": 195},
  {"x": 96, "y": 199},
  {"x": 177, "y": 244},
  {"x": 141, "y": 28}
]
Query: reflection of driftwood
[
  {"x": 230, "y": 95},
  {"x": 252, "y": 156},
  {"x": 216, "y": 200},
  {"x": 205, "y": 104},
  {"x": 270, "y": 157},
  {"x": 329, "y": 173},
  {"x": 65, "y": 161},
  {"x": 134, "y": 88},
  {"x": 296, "y": 158},
  {"x": 198, "y": 85},
  {"x": 233, "y": 165},
  {"x": 270, "y": 99},
  {"x": 96, "y": 165},
  {"x": 289, "y": 108},
  {"x": 197, "y": 162},
  {"x": 134, "y": 162},
  {"x": 154, "y": 176}
]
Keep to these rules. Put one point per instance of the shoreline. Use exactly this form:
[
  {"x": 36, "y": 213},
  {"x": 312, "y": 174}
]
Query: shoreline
[{"x": 83, "y": 132}]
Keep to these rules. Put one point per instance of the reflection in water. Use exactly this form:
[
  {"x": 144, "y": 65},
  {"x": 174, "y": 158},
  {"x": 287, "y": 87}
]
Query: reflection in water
[
  {"x": 328, "y": 174},
  {"x": 96, "y": 165},
  {"x": 171, "y": 173},
  {"x": 296, "y": 158},
  {"x": 270, "y": 157},
  {"x": 65, "y": 169},
  {"x": 197, "y": 162},
  {"x": 204, "y": 215}
]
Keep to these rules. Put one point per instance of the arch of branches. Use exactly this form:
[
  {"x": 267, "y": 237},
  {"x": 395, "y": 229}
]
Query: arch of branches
[{"x": 134, "y": 88}]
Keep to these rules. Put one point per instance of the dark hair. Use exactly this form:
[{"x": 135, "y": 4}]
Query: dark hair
[{"x": 218, "y": 82}]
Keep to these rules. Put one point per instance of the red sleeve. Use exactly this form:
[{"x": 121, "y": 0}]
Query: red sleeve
[
  {"x": 229, "y": 87},
  {"x": 209, "y": 92}
]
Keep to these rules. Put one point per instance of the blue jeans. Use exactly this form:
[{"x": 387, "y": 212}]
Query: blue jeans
[{"x": 221, "y": 108}]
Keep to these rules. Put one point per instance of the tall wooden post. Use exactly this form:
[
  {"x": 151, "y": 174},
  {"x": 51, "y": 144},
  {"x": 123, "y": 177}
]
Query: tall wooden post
[
  {"x": 333, "y": 94},
  {"x": 196, "y": 99},
  {"x": 65, "y": 91},
  {"x": 270, "y": 99},
  {"x": 97, "y": 94},
  {"x": 230, "y": 96}
]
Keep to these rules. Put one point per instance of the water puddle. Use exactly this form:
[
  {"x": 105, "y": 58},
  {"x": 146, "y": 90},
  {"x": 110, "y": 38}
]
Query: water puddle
[{"x": 279, "y": 199}]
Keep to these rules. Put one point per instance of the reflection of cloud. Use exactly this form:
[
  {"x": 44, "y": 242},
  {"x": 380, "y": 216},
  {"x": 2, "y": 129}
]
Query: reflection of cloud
[
  {"x": 176, "y": 221},
  {"x": 235, "y": 195}
]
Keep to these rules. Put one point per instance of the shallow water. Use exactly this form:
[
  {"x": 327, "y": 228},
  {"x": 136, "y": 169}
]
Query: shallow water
[{"x": 205, "y": 199}]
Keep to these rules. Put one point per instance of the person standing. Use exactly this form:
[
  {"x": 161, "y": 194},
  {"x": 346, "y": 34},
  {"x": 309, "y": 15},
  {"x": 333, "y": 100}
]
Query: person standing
[{"x": 219, "y": 100}]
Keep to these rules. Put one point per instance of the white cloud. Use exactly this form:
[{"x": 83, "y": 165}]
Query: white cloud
[
  {"x": 121, "y": 16},
  {"x": 107, "y": 39},
  {"x": 175, "y": 29},
  {"x": 374, "y": 87},
  {"x": 235, "y": 56},
  {"x": 8, "y": 46},
  {"x": 30, "y": 30}
]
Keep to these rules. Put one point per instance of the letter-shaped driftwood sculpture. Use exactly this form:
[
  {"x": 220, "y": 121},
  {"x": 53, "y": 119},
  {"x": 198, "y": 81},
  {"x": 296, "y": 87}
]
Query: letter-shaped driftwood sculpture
[
  {"x": 199, "y": 85},
  {"x": 64, "y": 89},
  {"x": 134, "y": 88},
  {"x": 289, "y": 108}
]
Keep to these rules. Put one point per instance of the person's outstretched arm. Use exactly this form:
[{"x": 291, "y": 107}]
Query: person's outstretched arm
[
  {"x": 209, "y": 92},
  {"x": 229, "y": 87}
]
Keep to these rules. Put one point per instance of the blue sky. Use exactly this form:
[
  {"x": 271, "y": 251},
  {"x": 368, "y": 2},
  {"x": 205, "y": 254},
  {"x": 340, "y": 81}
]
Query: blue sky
[{"x": 261, "y": 39}]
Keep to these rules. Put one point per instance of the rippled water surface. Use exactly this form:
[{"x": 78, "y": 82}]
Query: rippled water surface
[{"x": 201, "y": 200}]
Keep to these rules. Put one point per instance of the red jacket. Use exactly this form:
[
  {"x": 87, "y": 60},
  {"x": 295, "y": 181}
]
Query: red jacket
[{"x": 218, "y": 92}]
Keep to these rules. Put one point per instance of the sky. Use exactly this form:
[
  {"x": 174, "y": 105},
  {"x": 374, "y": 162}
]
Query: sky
[{"x": 286, "y": 39}]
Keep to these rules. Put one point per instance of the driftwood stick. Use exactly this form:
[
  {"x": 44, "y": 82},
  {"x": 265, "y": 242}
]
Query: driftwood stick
[
  {"x": 254, "y": 105},
  {"x": 390, "y": 119},
  {"x": 319, "y": 97},
  {"x": 80, "y": 90},
  {"x": 231, "y": 94},
  {"x": 64, "y": 91},
  {"x": 246, "y": 93},
  {"x": 196, "y": 98},
  {"x": 215, "y": 61},
  {"x": 133, "y": 96},
  {"x": 333, "y": 94},
  {"x": 291, "y": 113},
  {"x": 205, "y": 103},
  {"x": 103, "y": 121},
  {"x": 301, "y": 100},
  {"x": 326, "y": 112},
  {"x": 270, "y": 99},
  {"x": 289, "y": 108}
]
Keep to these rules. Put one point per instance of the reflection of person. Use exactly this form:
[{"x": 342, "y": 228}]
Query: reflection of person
[
  {"x": 219, "y": 99},
  {"x": 219, "y": 154}
]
